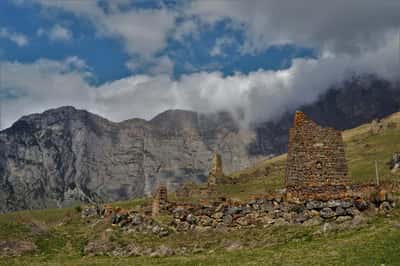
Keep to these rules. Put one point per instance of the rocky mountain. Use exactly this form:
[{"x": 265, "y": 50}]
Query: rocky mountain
[{"x": 64, "y": 156}]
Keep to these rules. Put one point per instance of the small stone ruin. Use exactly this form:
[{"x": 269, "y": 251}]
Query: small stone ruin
[
  {"x": 376, "y": 126},
  {"x": 216, "y": 173},
  {"x": 316, "y": 163},
  {"x": 160, "y": 200}
]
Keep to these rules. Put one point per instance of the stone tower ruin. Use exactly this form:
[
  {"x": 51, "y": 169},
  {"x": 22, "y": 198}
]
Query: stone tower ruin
[
  {"x": 160, "y": 199},
  {"x": 316, "y": 164},
  {"x": 216, "y": 172}
]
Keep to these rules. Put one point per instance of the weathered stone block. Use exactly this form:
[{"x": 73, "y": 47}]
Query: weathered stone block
[{"x": 327, "y": 213}]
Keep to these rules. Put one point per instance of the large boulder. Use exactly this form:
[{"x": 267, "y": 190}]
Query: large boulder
[{"x": 327, "y": 213}]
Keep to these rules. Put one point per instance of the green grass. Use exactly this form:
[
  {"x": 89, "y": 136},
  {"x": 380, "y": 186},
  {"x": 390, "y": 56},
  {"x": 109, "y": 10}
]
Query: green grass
[
  {"x": 130, "y": 204},
  {"x": 374, "y": 244},
  {"x": 363, "y": 150}
]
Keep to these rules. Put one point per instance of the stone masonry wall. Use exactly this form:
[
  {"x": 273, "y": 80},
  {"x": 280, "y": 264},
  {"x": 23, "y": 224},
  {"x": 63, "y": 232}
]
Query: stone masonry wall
[{"x": 316, "y": 163}]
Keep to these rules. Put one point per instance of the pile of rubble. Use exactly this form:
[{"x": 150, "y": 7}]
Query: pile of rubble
[
  {"x": 266, "y": 212},
  {"x": 132, "y": 221},
  {"x": 235, "y": 215}
]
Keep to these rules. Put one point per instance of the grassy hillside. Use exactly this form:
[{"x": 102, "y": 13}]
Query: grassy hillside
[
  {"x": 362, "y": 149},
  {"x": 60, "y": 235},
  {"x": 61, "y": 243}
]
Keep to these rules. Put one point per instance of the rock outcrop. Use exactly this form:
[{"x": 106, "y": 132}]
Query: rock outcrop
[{"x": 395, "y": 163}]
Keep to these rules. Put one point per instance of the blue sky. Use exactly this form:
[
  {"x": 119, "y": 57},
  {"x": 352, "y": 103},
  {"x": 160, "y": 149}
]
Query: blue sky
[
  {"x": 107, "y": 57},
  {"x": 136, "y": 58}
]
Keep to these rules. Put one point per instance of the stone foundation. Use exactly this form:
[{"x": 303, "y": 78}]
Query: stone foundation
[{"x": 265, "y": 211}]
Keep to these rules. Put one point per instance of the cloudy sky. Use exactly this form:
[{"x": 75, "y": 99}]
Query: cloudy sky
[{"x": 136, "y": 58}]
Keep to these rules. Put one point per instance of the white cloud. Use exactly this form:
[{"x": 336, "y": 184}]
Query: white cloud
[
  {"x": 186, "y": 28},
  {"x": 260, "y": 95},
  {"x": 163, "y": 65},
  {"x": 352, "y": 36},
  {"x": 142, "y": 31},
  {"x": 56, "y": 33},
  {"x": 44, "y": 84},
  {"x": 18, "y": 38},
  {"x": 220, "y": 44},
  {"x": 60, "y": 33},
  {"x": 339, "y": 26}
]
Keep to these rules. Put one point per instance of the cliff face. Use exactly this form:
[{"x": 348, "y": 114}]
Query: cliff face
[{"x": 66, "y": 155}]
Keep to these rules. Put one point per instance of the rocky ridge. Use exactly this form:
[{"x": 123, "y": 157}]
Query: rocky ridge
[{"x": 65, "y": 155}]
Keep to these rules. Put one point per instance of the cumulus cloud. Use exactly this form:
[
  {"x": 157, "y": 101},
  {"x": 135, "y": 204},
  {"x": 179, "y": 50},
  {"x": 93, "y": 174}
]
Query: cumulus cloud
[
  {"x": 44, "y": 84},
  {"x": 56, "y": 33},
  {"x": 338, "y": 26},
  {"x": 359, "y": 36},
  {"x": 257, "y": 96},
  {"x": 143, "y": 32},
  {"x": 18, "y": 38}
]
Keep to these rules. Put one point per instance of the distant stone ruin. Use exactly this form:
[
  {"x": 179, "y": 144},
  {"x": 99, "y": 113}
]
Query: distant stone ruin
[
  {"x": 216, "y": 174},
  {"x": 160, "y": 200},
  {"x": 376, "y": 126},
  {"x": 316, "y": 163}
]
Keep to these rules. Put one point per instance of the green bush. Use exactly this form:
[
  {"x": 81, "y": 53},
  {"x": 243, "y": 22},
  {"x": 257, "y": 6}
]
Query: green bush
[{"x": 78, "y": 209}]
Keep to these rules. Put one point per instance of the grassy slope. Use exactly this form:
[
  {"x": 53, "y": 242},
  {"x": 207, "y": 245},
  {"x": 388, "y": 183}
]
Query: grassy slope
[
  {"x": 60, "y": 234},
  {"x": 362, "y": 149},
  {"x": 374, "y": 244}
]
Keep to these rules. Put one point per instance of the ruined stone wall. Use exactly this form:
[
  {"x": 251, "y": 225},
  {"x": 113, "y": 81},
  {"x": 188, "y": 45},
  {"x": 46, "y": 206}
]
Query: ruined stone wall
[
  {"x": 160, "y": 200},
  {"x": 316, "y": 163}
]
